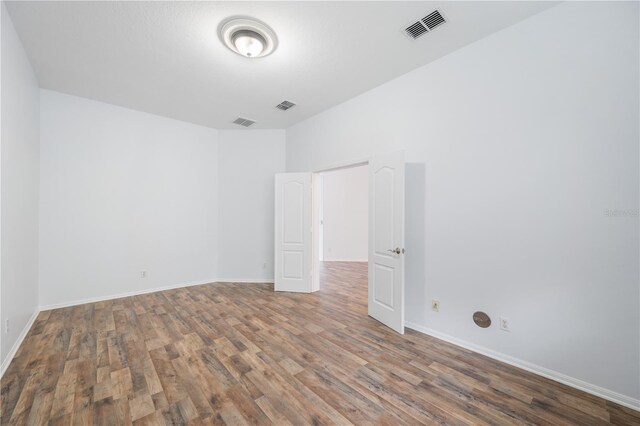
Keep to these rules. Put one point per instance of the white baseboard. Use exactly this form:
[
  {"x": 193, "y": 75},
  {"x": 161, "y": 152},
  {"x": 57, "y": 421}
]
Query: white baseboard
[
  {"x": 592, "y": 389},
  {"x": 120, "y": 295},
  {"x": 246, "y": 280},
  {"x": 147, "y": 291},
  {"x": 7, "y": 360},
  {"x": 346, "y": 260}
]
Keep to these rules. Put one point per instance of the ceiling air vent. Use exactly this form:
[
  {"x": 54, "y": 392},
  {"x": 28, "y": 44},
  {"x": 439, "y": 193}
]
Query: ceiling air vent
[
  {"x": 415, "y": 30},
  {"x": 426, "y": 24},
  {"x": 285, "y": 105},
  {"x": 433, "y": 19},
  {"x": 243, "y": 121}
]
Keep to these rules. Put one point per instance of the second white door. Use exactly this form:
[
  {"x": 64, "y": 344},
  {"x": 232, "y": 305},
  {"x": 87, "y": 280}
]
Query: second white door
[
  {"x": 293, "y": 237},
  {"x": 386, "y": 240}
]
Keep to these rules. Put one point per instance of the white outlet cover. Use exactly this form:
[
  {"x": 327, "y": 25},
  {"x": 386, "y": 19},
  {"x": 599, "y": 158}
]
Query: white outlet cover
[{"x": 504, "y": 324}]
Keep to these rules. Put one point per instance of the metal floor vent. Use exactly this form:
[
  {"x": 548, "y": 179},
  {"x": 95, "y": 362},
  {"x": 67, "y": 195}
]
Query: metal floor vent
[
  {"x": 285, "y": 105},
  {"x": 243, "y": 121},
  {"x": 426, "y": 24}
]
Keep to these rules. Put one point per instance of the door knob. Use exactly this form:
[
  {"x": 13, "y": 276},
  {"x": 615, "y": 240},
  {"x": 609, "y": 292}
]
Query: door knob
[{"x": 397, "y": 250}]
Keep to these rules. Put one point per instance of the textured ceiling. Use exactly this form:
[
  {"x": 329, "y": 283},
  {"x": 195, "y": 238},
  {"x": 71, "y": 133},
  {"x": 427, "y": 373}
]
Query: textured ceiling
[{"x": 165, "y": 57}]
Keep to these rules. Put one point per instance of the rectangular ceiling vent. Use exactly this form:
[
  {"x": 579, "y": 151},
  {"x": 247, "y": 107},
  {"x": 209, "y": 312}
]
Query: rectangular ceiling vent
[
  {"x": 433, "y": 19},
  {"x": 426, "y": 24},
  {"x": 243, "y": 121},
  {"x": 285, "y": 105},
  {"x": 416, "y": 30}
]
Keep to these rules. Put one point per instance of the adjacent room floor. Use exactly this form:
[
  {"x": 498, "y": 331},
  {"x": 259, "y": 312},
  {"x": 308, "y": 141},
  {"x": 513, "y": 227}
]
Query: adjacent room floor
[{"x": 240, "y": 353}]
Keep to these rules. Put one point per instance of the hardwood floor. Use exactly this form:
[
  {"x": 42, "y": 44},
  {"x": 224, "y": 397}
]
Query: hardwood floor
[{"x": 242, "y": 354}]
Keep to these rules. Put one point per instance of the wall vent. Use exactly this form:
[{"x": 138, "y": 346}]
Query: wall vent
[
  {"x": 243, "y": 122},
  {"x": 426, "y": 24},
  {"x": 285, "y": 105},
  {"x": 416, "y": 30},
  {"x": 433, "y": 19}
]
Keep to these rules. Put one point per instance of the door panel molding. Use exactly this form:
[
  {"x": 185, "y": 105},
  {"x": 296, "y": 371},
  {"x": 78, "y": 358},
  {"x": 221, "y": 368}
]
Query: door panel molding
[
  {"x": 293, "y": 235},
  {"x": 386, "y": 240}
]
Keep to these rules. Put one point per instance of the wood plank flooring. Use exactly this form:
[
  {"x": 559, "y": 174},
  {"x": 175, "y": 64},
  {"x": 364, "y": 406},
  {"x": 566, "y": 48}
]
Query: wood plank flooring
[{"x": 241, "y": 354}]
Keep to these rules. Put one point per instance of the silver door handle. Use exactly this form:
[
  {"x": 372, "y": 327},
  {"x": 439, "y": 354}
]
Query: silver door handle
[{"x": 397, "y": 250}]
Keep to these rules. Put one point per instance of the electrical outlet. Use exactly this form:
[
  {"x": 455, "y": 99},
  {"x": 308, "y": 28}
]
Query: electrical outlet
[
  {"x": 505, "y": 325},
  {"x": 6, "y": 325},
  {"x": 143, "y": 274},
  {"x": 435, "y": 305}
]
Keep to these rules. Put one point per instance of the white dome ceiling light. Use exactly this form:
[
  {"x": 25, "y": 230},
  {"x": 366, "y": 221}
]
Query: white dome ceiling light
[{"x": 248, "y": 37}]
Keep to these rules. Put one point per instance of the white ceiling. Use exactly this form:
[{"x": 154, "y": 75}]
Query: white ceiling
[{"x": 165, "y": 57}]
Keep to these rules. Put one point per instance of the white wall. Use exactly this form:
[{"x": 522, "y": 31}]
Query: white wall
[
  {"x": 19, "y": 176},
  {"x": 345, "y": 216},
  {"x": 517, "y": 145},
  {"x": 124, "y": 192},
  {"x": 121, "y": 192},
  {"x": 249, "y": 159}
]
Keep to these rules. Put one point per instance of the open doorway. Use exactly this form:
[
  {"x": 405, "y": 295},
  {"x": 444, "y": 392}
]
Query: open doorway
[
  {"x": 298, "y": 196},
  {"x": 343, "y": 230}
]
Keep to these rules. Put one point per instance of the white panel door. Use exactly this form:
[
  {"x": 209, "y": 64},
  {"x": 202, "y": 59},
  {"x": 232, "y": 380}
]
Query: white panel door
[
  {"x": 293, "y": 233},
  {"x": 386, "y": 240}
]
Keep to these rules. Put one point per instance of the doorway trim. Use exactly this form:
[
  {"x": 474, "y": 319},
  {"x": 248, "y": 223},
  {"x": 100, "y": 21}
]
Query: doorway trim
[{"x": 342, "y": 165}]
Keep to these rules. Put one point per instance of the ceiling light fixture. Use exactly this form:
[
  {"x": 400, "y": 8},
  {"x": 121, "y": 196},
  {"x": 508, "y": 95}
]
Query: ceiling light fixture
[{"x": 248, "y": 37}]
